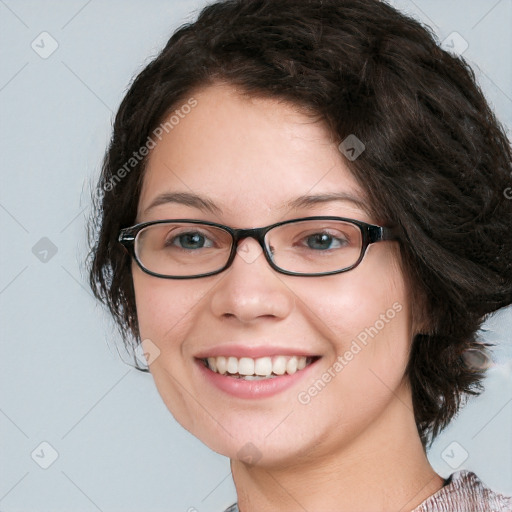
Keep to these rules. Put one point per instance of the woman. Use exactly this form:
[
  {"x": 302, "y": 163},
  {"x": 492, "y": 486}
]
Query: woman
[{"x": 303, "y": 222}]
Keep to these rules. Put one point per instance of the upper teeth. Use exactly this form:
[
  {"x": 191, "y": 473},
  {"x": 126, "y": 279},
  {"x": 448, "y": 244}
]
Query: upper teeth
[{"x": 263, "y": 366}]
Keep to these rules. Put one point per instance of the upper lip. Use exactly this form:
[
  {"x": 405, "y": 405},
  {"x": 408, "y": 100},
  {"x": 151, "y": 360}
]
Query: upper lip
[{"x": 238, "y": 350}]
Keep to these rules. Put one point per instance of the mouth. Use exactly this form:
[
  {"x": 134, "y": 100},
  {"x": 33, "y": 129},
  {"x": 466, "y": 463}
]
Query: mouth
[{"x": 261, "y": 368}]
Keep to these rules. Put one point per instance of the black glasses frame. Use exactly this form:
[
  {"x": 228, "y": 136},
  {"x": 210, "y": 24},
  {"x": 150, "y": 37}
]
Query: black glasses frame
[{"x": 370, "y": 234}]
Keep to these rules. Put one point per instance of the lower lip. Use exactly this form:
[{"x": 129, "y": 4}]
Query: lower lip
[{"x": 263, "y": 388}]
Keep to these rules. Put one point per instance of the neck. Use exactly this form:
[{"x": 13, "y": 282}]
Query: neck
[{"x": 384, "y": 469}]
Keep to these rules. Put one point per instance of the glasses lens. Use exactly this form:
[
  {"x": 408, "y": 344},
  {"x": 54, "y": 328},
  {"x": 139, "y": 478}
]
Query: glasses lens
[
  {"x": 315, "y": 246},
  {"x": 182, "y": 249}
]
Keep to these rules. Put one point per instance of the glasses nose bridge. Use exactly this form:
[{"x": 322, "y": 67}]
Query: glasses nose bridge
[{"x": 257, "y": 233}]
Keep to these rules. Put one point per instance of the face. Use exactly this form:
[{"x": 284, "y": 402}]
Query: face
[{"x": 251, "y": 158}]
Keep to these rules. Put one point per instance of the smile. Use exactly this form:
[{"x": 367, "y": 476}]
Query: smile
[{"x": 247, "y": 368}]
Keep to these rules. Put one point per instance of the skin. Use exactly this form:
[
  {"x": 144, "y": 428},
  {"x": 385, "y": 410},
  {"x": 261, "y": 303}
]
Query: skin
[{"x": 354, "y": 446}]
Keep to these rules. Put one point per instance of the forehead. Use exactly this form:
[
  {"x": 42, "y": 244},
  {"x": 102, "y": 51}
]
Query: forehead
[{"x": 250, "y": 156}]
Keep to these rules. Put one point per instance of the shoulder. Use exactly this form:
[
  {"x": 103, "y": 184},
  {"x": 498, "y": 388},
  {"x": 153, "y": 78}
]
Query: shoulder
[{"x": 465, "y": 492}]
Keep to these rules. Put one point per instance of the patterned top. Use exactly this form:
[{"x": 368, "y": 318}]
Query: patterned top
[{"x": 463, "y": 492}]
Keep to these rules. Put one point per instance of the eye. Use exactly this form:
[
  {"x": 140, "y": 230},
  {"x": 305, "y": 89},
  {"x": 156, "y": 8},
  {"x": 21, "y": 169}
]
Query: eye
[
  {"x": 189, "y": 240},
  {"x": 325, "y": 241}
]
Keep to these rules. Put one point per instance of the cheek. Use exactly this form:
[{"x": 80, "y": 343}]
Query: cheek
[
  {"x": 163, "y": 305},
  {"x": 368, "y": 324},
  {"x": 354, "y": 306}
]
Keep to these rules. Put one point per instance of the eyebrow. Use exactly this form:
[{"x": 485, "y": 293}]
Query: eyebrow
[
  {"x": 204, "y": 204},
  {"x": 312, "y": 200},
  {"x": 187, "y": 199}
]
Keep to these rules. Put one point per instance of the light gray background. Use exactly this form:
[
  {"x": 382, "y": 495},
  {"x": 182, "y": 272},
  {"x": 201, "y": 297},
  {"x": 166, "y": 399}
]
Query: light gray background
[{"x": 62, "y": 379}]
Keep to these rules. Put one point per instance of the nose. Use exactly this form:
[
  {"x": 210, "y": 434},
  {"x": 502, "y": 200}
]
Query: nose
[{"x": 250, "y": 289}]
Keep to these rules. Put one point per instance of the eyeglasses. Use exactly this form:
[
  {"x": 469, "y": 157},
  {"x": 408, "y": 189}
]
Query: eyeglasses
[{"x": 309, "y": 246}]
